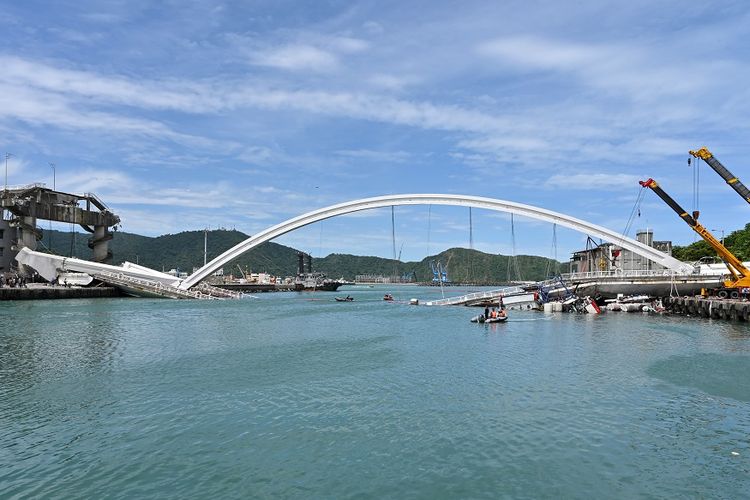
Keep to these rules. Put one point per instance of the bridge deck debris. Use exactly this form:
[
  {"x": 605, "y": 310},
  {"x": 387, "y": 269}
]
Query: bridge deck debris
[
  {"x": 479, "y": 297},
  {"x": 155, "y": 289}
]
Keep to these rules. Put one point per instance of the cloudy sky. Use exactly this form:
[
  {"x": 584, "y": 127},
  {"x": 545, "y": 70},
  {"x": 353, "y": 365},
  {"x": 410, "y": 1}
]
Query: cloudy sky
[{"x": 185, "y": 115}]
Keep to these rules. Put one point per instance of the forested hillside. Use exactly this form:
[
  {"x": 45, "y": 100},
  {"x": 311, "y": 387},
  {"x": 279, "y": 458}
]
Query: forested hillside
[
  {"x": 738, "y": 242},
  {"x": 184, "y": 251}
]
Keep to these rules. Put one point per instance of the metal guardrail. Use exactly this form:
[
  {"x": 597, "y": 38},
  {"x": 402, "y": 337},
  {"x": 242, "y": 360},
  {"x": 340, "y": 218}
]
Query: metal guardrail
[
  {"x": 471, "y": 297},
  {"x": 98, "y": 203},
  {"x": 24, "y": 187},
  {"x": 203, "y": 292},
  {"x": 148, "y": 285},
  {"x": 618, "y": 273}
]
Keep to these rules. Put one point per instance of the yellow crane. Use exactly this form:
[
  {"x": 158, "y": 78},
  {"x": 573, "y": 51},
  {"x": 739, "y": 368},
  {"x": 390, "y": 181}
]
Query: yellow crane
[
  {"x": 739, "y": 274},
  {"x": 706, "y": 155}
]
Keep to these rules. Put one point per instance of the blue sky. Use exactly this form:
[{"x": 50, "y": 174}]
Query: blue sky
[{"x": 185, "y": 115}]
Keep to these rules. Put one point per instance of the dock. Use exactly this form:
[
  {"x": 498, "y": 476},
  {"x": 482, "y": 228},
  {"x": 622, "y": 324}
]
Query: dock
[
  {"x": 49, "y": 292},
  {"x": 728, "y": 309}
]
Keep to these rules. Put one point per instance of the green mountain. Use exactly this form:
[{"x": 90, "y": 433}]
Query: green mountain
[
  {"x": 464, "y": 266},
  {"x": 738, "y": 242},
  {"x": 184, "y": 251}
]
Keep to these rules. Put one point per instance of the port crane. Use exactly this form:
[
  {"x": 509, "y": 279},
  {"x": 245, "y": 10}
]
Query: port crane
[
  {"x": 706, "y": 155},
  {"x": 439, "y": 272},
  {"x": 739, "y": 274}
]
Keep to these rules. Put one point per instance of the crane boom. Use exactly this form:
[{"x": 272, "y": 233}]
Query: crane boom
[
  {"x": 706, "y": 155},
  {"x": 740, "y": 274}
]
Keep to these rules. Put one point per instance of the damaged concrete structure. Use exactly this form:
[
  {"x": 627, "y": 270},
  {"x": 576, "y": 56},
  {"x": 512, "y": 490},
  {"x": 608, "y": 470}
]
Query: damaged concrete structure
[{"x": 23, "y": 206}]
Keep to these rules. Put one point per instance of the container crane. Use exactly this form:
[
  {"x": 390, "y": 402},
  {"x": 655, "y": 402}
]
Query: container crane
[
  {"x": 740, "y": 275},
  {"x": 706, "y": 155}
]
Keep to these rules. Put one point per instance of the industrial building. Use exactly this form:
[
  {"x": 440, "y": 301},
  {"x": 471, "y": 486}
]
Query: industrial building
[{"x": 610, "y": 256}]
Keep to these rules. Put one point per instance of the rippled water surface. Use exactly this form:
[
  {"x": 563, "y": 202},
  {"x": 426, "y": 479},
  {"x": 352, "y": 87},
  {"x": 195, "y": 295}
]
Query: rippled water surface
[{"x": 296, "y": 395}]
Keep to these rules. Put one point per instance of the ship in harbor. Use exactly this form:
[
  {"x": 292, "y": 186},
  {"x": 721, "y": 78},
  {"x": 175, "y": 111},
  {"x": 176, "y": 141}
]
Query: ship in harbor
[
  {"x": 311, "y": 282},
  {"x": 307, "y": 280}
]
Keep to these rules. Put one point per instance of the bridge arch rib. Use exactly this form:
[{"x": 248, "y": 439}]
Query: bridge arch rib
[{"x": 434, "y": 199}]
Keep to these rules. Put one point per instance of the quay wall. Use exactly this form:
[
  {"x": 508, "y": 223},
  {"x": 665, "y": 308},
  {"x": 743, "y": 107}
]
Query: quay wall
[
  {"x": 254, "y": 287},
  {"x": 57, "y": 292},
  {"x": 734, "y": 310}
]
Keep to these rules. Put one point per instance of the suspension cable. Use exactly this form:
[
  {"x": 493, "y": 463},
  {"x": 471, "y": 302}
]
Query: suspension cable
[
  {"x": 553, "y": 252},
  {"x": 635, "y": 210},
  {"x": 429, "y": 222},
  {"x": 393, "y": 231}
]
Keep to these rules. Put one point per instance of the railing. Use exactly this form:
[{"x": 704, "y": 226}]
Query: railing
[
  {"x": 160, "y": 288},
  {"x": 471, "y": 297},
  {"x": 218, "y": 292},
  {"x": 618, "y": 273},
  {"x": 24, "y": 187},
  {"x": 98, "y": 203}
]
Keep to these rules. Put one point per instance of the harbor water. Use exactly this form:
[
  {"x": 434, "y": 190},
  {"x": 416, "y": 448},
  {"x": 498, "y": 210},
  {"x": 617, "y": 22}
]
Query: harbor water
[{"x": 295, "y": 395}]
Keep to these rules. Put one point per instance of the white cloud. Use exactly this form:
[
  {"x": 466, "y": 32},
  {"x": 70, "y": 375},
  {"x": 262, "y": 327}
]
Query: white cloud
[
  {"x": 392, "y": 82},
  {"x": 347, "y": 45},
  {"x": 34, "y": 91},
  {"x": 373, "y": 27},
  {"x": 537, "y": 53},
  {"x": 102, "y": 17},
  {"x": 256, "y": 154},
  {"x": 378, "y": 156},
  {"x": 643, "y": 71},
  {"x": 296, "y": 58}
]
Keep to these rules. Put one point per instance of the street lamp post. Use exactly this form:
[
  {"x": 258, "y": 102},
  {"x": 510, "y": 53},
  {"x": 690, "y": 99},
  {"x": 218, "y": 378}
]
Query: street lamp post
[
  {"x": 7, "y": 155},
  {"x": 53, "y": 175}
]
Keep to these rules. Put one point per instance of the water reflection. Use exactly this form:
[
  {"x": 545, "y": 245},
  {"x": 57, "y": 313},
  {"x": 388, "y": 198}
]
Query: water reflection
[{"x": 286, "y": 396}]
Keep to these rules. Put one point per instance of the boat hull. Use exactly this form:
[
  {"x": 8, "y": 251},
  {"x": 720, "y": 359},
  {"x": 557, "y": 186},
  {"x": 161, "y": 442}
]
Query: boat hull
[{"x": 482, "y": 319}]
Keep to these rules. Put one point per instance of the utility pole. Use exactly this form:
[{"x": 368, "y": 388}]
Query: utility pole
[{"x": 7, "y": 155}]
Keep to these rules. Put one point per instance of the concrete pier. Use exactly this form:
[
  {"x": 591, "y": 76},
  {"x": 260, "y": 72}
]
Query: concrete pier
[
  {"x": 735, "y": 310},
  {"x": 23, "y": 207},
  {"x": 57, "y": 292}
]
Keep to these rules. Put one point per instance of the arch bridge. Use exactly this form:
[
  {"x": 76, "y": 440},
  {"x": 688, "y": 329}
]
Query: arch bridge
[{"x": 435, "y": 199}]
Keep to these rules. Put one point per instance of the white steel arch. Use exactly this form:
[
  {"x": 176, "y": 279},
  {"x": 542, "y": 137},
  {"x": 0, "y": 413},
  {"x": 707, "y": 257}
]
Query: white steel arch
[{"x": 435, "y": 199}]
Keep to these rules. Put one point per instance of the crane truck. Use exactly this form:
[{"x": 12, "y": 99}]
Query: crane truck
[
  {"x": 706, "y": 155},
  {"x": 739, "y": 275}
]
